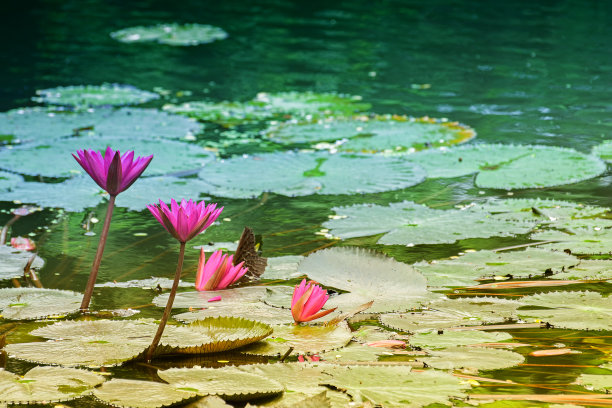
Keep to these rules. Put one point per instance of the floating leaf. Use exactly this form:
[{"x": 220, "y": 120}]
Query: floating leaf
[
  {"x": 396, "y": 286},
  {"x": 224, "y": 113},
  {"x": 472, "y": 358},
  {"x": 230, "y": 383},
  {"x": 597, "y": 382},
  {"x": 171, "y": 34},
  {"x": 309, "y": 104},
  {"x": 485, "y": 310},
  {"x": 434, "y": 340},
  {"x": 547, "y": 211},
  {"x": 53, "y": 159},
  {"x": 303, "y": 339},
  {"x": 94, "y": 95},
  {"x": 151, "y": 283},
  {"x": 212, "y": 401},
  {"x": 47, "y": 384},
  {"x": 603, "y": 150},
  {"x": 356, "y": 352},
  {"x": 465, "y": 269},
  {"x": 570, "y": 310},
  {"x": 13, "y": 261},
  {"x": 40, "y": 124},
  {"x": 578, "y": 241},
  {"x": 35, "y": 303},
  {"x": 588, "y": 270},
  {"x": 258, "y": 311},
  {"x": 196, "y": 299},
  {"x": 309, "y": 173},
  {"x": 394, "y": 386},
  {"x": 427, "y": 320},
  {"x": 282, "y": 267},
  {"x": 381, "y": 133},
  {"x": 9, "y": 181},
  {"x": 140, "y": 394}
]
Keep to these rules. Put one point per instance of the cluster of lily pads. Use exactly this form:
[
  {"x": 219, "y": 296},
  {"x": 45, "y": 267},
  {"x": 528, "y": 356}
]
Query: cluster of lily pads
[{"x": 324, "y": 144}]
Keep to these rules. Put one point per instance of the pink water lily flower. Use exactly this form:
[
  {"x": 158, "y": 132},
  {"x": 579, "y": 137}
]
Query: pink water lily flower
[
  {"x": 186, "y": 220},
  {"x": 307, "y": 301},
  {"x": 113, "y": 172},
  {"x": 218, "y": 272},
  {"x": 25, "y": 244}
]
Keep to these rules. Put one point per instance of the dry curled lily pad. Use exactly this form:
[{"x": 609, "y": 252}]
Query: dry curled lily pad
[
  {"x": 13, "y": 261},
  {"x": 588, "y": 270},
  {"x": 94, "y": 95},
  {"x": 396, "y": 386},
  {"x": 309, "y": 173},
  {"x": 46, "y": 384},
  {"x": 436, "y": 340},
  {"x": 171, "y": 34},
  {"x": 570, "y": 310},
  {"x": 229, "y": 383},
  {"x": 35, "y": 303},
  {"x": 140, "y": 394},
  {"x": 397, "y": 286},
  {"x": 465, "y": 269},
  {"x": 259, "y": 311},
  {"x": 303, "y": 339},
  {"x": 472, "y": 358},
  {"x": 196, "y": 299}
]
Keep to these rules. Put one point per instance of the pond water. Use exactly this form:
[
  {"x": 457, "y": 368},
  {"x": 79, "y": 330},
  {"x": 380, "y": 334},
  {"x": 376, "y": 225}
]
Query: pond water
[{"x": 517, "y": 72}]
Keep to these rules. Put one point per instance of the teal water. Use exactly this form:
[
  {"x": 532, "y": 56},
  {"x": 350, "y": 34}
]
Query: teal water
[{"x": 523, "y": 72}]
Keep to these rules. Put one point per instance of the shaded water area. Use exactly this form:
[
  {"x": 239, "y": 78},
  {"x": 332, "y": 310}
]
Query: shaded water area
[{"x": 517, "y": 72}]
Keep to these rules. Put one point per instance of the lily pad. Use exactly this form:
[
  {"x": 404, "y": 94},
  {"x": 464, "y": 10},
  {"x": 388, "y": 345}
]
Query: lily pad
[
  {"x": 427, "y": 320},
  {"x": 408, "y": 223},
  {"x": 435, "y": 340},
  {"x": 53, "y": 159},
  {"x": 94, "y": 95},
  {"x": 309, "y": 173},
  {"x": 282, "y": 267},
  {"x": 472, "y": 358},
  {"x": 38, "y": 124},
  {"x": 35, "y": 303},
  {"x": 381, "y": 133},
  {"x": 578, "y": 241},
  {"x": 258, "y": 311},
  {"x": 397, "y": 286},
  {"x": 603, "y": 150},
  {"x": 486, "y": 310},
  {"x": 9, "y": 181},
  {"x": 394, "y": 386},
  {"x": 229, "y": 383},
  {"x": 309, "y": 105},
  {"x": 151, "y": 283},
  {"x": 13, "y": 261},
  {"x": 570, "y": 310},
  {"x": 140, "y": 394},
  {"x": 171, "y": 34},
  {"x": 196, "y": 299},
  {"x": 303, "y": 339},
  {"x": 597, "y": 382},
  {"x": 588, "y": 270},
  {"x": 224, "y": 113},
  {"x": 356, "y": 352},
  {"x": 463, "y": 270},
  {"x": 47, "y": 384},
  {"x": 512, "y": 167}
]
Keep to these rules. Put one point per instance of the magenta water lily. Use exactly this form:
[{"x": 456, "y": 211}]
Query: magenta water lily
[
  {"x": 115, "y": 173},
  {"x": 218, "y": 272},
  {"x": 307, "y": 301},
  {"x": 183, "y": 221}
]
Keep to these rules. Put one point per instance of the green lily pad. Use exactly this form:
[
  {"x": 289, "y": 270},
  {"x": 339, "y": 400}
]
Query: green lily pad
[
  {"x": 9, "y": 181},
  {"x": 43, "y": 385},
  {"x": 230, "y": 383},
  {"x": 588, "y": 270},
  {"x": 212, "y": 401},
  {"x": 408, "y": 223},
  {"x": 464, "y": 270},
  {"x": 396, "y": 386},
  {"x": 303, "y": 339},
  {"x": 545, "y": 210},
  {"x": 140, "y": 394},
  {"x": 38, "y": 124},
  {"x": 603, "y": 150},
  {"x": 472, "y": 358},
  {"x": 54, "y": 160},
  {"x": 196, "y": 299},
  {"x": 356, "y": 352},
  {"x": 309, "y": 105},
  {"x": 435, "y": 340},
  {"x": 597, "y": 382},
  {"x": 397, "y": 286},
  {"x": 282, "y": 267},
  {"x": 171, "y": 34},
  {"x": 570, "y": 310},
  {"x": 578, "y": 241},
  {"x": 381, "y": 133},
  {"x": 94, "y": 95},
  {"x": 309, "y": 173},
  {"x": 427, "y": 320},
  {"x": 151, "y": 283},
  {"x": 13, "y": 261},
  {"x": 486, "y": 310},
  {"x": 35, "y": 303},
  {"x": 258, "y": 311},
  {"x": 224, "y": 113}
]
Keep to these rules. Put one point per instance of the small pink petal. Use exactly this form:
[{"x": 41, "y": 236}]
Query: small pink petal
[
  {"x": 215, "y": 299},
  {"x": 24, "y": 244},
  {"x": 388, "y": 343},
  {"x": 301, "y": 358}
]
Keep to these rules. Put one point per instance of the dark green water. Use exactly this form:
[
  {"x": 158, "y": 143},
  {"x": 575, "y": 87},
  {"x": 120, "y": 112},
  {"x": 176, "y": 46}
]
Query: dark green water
[{"x": 525, "y": 72}]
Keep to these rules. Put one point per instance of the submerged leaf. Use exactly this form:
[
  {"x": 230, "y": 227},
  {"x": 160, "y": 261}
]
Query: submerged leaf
[
  {"x": 35, "y": 303},
  {"x": 171, "y": 34},
  {"x": 140, "y": 394},
  {"x": 94, "y": 95},
  {"x": 13, "y": 261}
]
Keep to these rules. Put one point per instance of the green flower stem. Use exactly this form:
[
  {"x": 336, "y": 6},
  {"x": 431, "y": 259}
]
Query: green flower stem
[
  {"x": 96, "y": 263},
  {"x": 164, "y": 319}
]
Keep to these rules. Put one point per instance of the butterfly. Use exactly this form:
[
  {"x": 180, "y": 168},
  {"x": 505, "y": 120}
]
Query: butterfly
[{"x": 248, "y": 251}]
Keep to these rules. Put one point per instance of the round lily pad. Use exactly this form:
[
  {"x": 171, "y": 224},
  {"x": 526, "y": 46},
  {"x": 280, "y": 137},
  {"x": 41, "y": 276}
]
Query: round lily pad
[
  {"x": 47, "y": 384},
  {"x": 230, "y": 383},
  {"x": 310, "y": 105},
  {"x": 570, "y": 310},
  {"x": 427, "y": 320},
  {"x": 603, "y": 150},
  {"x": 598, "y": 382},
  {"x": 94, "y": 95},
  {"x": 140, "y": 394},
  {"x": 588, "y": 270},
  {"x": 397, "y": 286},
  {"x": 578, "y": 241},
  {"x": 224, "y": 113},
  {"x": 483, "y": 309},
  {"x": 435, "y": 340},
  {"x": 381, "y": 133},
  {"x": 151, "y": 283},
  {"x": 258, "y": 311},
  {"x": 356, "y": 352},
  {"x": 54, "y": 160},
  {"x": 9, "y": 181},
  {"x": 472, "y": 358},
  {"x": 171, "y": 34},
  {"x": 13, "y": 261},
  {"x": 197, "y": 299},
  {"x": 282, "y": 267},
  {"x": 298, "y": 174},
  {"x": 38, "y": 124},
  {"x": 35, "y": 303}
]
